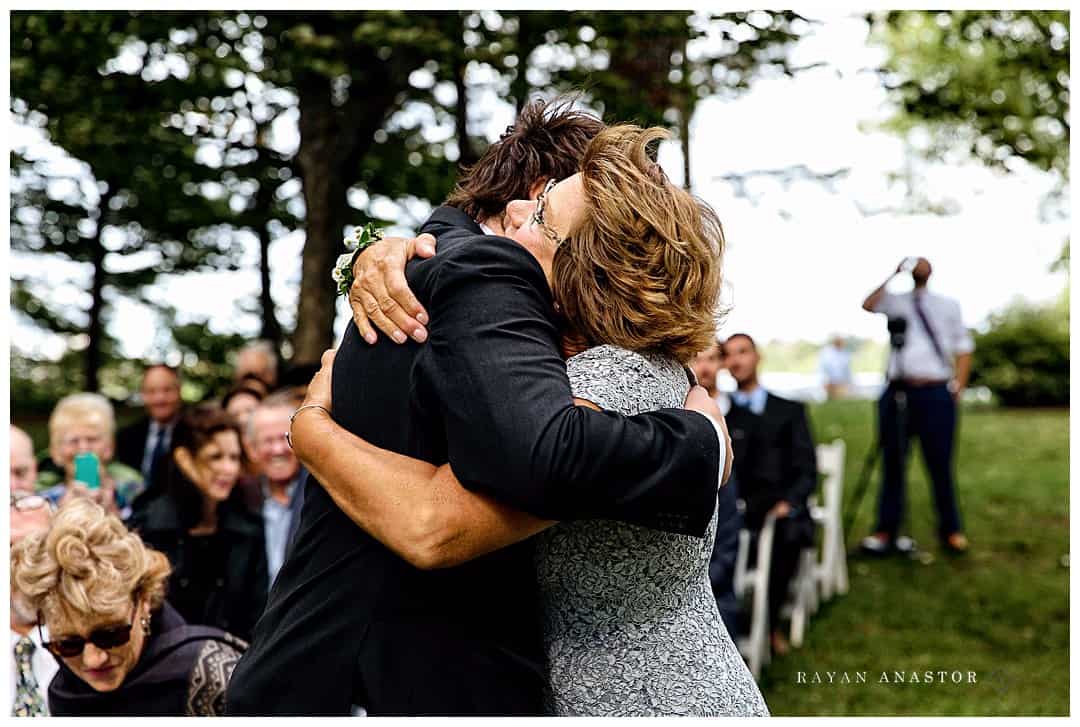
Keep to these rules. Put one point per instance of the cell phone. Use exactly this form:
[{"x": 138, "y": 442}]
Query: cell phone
[
  {"x": 88, "y": 470},
  {"x": 910, "y": 263}
]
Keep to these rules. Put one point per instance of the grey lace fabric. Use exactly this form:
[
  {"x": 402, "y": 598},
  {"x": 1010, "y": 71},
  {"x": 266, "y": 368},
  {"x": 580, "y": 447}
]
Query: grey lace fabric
[{"x": 631, "y": 626}]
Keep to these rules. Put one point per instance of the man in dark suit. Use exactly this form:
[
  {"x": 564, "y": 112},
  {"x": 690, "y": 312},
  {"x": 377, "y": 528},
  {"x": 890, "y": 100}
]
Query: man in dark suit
[
  {"x": 776, "y": 469},
  {"x": 145, "y": 443},
  {"x": 351, "y": 625}
]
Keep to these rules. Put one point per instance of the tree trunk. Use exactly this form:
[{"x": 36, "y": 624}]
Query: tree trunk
[
  {"x": 95, "y": 328},
  {"x": 468, "y": 154},
  {"x": 271, "y": 328},
  {"x": 320, "y": 161},
  {"x": 684, "y": 139},
  {"x": 526, "y": 42}
]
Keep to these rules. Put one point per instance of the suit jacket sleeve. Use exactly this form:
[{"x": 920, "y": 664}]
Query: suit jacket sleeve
[
  {"x": 512, "y": 430},
  {"x": 803, "y": 459}
]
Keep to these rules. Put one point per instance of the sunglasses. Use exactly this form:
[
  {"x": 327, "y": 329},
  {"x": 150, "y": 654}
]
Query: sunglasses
[{"x": 106, "y": 638}]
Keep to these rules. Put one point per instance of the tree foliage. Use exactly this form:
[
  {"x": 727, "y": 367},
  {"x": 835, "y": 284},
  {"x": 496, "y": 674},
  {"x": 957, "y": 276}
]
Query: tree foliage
[{"x": 992, "y": 82}]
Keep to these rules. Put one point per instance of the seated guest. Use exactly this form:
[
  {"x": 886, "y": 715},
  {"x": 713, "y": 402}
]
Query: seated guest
[
  {"x": 24, "y": 470},
  {"x": 253, "y": 382},
  {"x": 122, "y": 650},
  {"x": 32, "y": 665},
  {"x": 278, "y": 494},
  {"x": 240, "y": 403},
  {"x": 145, "y": 444},
  {"x": 706, "y": 365},
  {"x": 200, "y": 523},
  {"x": 775, "y": 466},
  {"x": 83, "y": 423},
  {"x": 259, "y": 359},
  {"x": 729, "y": 521}
]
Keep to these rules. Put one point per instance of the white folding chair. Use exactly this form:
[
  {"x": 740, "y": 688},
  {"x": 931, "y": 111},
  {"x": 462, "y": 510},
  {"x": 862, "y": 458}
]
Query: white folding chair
[
  {"x": 755, "y": 647},
  {"x": 820, "y": 576}
]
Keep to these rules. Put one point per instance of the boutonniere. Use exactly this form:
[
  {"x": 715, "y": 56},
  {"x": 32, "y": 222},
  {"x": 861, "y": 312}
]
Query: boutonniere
[{"x": 360, "y": 239}]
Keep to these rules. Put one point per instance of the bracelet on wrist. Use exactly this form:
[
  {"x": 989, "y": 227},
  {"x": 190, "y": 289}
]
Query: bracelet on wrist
[{"x": 288, "y": 434}]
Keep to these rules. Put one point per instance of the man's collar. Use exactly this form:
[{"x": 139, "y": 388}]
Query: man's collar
[{"x": 454, "y": 217}]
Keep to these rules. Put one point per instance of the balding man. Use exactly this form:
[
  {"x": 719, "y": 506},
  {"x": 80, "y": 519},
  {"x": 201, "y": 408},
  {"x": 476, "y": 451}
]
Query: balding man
[
  {"x": 260, "y": 360},
  {"x": 145, "y": 444},
  {"x": 926, "y": 375},
  {"x": 32, "y": 667},
  {"x": 23, "y": 464}
]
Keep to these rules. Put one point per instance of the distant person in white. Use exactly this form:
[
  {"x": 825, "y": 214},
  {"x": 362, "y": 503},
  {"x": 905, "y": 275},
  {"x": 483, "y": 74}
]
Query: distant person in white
[
  {"x": 931, "y": 371},
  {"x": 835, "y": 367},
  {"x": 32, "y": 667}
]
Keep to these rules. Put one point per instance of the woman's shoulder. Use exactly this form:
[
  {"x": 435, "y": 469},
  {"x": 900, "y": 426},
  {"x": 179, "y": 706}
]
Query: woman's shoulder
[
  {"x": 627, "y": 381},
  {"x": 214, "y": 663}
]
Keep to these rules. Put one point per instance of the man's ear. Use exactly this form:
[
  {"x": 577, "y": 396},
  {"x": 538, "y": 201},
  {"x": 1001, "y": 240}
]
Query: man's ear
[
  {"x": 537, "y": 187},
  {"x": 186, "y": 462}
]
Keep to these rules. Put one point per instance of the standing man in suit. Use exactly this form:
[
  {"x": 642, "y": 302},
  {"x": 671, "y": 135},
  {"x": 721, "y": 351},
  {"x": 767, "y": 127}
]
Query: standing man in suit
[
  {"x": 928, "y": 374},
  {"x": 349, "y": 625},
  {"x": 775, "y": 466},
  {"x": 142, "y": 445}
]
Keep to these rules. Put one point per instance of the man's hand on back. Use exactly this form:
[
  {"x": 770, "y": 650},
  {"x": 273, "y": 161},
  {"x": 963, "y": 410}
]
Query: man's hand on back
[{"x": 380, "y": 294}]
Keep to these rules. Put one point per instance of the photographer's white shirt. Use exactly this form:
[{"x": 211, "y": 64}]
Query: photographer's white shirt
[{"x": 918, "y": 359}]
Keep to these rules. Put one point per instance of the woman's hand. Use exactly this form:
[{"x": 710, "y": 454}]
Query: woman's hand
[
  {"x": 305, "y": 424},
  {"x": 319, "y": 392}
]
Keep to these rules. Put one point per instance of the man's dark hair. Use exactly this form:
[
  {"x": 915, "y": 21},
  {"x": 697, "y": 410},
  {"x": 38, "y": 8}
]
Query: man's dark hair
[
  {"x": 547, "y": 141},
  {"x": 733, "y": 336}
]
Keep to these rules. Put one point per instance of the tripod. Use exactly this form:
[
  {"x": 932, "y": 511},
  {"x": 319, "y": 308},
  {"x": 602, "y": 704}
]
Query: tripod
[{"x": 897, "y": 338}]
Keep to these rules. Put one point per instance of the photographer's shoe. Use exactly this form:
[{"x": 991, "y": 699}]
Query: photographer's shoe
[
  {"x": 956, "y": 544},
  {"x": 877, "y": 544}
]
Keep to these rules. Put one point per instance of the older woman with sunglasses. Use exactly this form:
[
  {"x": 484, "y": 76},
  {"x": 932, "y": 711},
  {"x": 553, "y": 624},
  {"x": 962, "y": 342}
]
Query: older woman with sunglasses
[{"x": 123, "y": 651}]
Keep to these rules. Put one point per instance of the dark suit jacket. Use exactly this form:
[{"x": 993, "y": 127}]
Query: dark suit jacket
[
  {"x": 347, "y": 621},
  {"x": 130, "y": 448},
  {"x": 774, "y": 456},
  {"x": 131, "y": 443}
]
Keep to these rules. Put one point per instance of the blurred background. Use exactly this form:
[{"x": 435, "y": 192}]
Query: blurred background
[{"x": 181, "y": 184}]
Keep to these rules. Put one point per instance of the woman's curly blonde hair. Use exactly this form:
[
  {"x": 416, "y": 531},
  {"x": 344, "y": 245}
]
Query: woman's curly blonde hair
[
  {"x": 87, "y": 563},
  {"x": 643, "y": 270}
]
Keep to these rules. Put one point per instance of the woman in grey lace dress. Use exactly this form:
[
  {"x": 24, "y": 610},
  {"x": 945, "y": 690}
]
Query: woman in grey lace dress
[{"x": 631, "y": 626}]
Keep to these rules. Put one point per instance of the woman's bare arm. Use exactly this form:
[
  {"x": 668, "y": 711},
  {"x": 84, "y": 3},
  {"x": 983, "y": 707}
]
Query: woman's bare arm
[{"x": 418, "y": 510}]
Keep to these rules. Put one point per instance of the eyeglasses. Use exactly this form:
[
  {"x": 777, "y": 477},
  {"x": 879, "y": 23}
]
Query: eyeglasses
[
  {"x": 25, "y": 503},
  {"x": 538, "y": 213},
  {"x": 106, "y": 638}
]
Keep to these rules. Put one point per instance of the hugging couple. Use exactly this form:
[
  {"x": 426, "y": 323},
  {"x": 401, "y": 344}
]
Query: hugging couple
[{"x": 513, "y": 512}]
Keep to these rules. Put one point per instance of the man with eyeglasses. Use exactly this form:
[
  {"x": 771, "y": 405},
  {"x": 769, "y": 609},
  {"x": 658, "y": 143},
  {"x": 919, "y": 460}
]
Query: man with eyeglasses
[{"x": 32, "y": 666}]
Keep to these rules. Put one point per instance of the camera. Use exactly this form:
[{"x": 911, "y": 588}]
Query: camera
[{"x": 897, "y": 331}]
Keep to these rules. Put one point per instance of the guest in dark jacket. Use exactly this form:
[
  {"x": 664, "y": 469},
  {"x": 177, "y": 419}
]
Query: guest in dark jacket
[
  {"x": 145, "y": 445},
  {"x": 775, "y": 466},
  {"x": 122, "y": 650},
  {"x": 215, "y": 545}
]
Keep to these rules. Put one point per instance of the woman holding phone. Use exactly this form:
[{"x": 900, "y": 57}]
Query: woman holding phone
[{"x": 82, "y": 431}]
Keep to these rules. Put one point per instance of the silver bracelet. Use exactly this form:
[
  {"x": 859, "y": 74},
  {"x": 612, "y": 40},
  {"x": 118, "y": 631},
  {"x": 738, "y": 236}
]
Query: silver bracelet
[{"x": 288, "y": 434}]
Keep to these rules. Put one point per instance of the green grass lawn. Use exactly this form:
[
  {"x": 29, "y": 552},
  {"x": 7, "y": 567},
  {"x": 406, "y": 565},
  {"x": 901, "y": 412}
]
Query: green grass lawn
[{"x": 1001, "y": 611}]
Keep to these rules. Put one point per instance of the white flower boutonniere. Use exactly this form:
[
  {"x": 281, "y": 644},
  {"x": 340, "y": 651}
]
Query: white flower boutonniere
[{"x": 361, "y": 238}]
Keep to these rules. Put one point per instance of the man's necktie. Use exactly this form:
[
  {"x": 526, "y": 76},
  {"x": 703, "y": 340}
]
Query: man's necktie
[
  {"x": 919, "y": 311},
  {"x": 28, "y": 700},
  {"x": 155, "y": 457}
]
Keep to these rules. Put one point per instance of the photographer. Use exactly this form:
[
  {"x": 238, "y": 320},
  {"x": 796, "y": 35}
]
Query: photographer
[{"x": 928, "y": 370}]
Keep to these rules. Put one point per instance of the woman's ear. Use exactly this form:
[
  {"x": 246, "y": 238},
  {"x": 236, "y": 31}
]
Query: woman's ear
[{"x": 186, "y": 462}]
